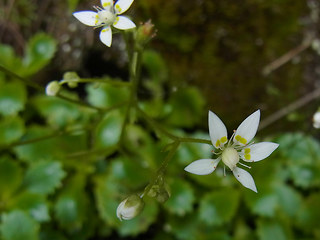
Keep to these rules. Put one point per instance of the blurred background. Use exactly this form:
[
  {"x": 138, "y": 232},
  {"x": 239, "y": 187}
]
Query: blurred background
[{"x": 220, "y": 55}]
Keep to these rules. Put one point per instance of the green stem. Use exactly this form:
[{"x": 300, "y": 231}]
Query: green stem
[
  {"x": 26, "y": 81},
  {"x": 134, "y": 77},
  {"x": 103, "y": 80},
  {"x": 30, "y": 141},
  {"x": 156, "y": 125},
  {"x": 162, "y": 168}
]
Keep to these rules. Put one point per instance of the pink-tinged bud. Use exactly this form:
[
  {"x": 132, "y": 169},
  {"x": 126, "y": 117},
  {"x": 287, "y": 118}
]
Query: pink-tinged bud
[{"x": 145, "y": 33}]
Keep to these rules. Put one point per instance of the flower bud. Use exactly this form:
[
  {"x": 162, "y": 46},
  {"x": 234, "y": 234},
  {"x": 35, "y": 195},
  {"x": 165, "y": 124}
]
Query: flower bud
[
  {"x": 130, "y": 207},
  {"x": 145, "y": 33},
  {"x": 316, "y": 120},
  {"x": 163, "y": 195},
  {"x": 72, "y": 79},
  {"x": 53, "y": 88}
]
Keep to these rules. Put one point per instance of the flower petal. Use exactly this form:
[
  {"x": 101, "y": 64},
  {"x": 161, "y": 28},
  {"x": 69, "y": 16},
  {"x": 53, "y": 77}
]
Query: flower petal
[
  {"x": 123, "y": 23},
  {"x": 217, "y": 130},
  {"x": 244, "y": 178},
  {"x": 106, "y": 36},
  {"x": 107, "y": 4},
  {"x": 247, "y": 129},
  {"x": 202, "y": 166},
  {"x": 86, "y": 17},
  {"x": 258, "y": 151},
  {"x": 122, "y": 5}
]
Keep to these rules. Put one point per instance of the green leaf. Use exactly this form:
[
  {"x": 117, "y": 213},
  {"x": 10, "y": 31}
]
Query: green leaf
[
  {"x": 271, "y": 229},
  {"x": 155, "y": 65},
  {"x": 309, "y": 214},
  {"x": 11, "y": 129},
  {"x": 72, "y": 204},
  {"x": 108, "y": 131},
  {"x": 34, "y": 204},
  {"x": 44, "y": 177},
  {"x": 58, "y": 112},
  {"x": 18, "y": 225},
  {"x": 289, "y": 199},
  {"x": 38, "y": 150},
  {"x": 187, "y": 107},
  {"x": 190, "y": 228},
  {"x": 218, "y": 207},
  {"x": 303, "y": 158},
  {"x": 105, "y": 95},
  {"x": 13, "y": 96},
  {"x": 8, "y": 58},
  {"x": 40, "y": 50},
  {"x": 182, "y": 197},
  {"x": 10, "y": 176}
]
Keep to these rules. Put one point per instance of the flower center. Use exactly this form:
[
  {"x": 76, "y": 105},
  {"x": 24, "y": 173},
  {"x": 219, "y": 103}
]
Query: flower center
[
  {"x": 230, "y": 157},
  {"x": 106, "y": 17}
]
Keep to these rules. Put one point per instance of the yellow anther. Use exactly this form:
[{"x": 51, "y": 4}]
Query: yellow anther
[
  {"x": 218, "y": 143},
  {"x": 247, "y": 150},
  {"x": 243, "y": 140},
  {"x": 116, "y": 21},
  {"x": 106, "y": 4},
  {"x": 118, "y": 7},
  {"x": 247, "y": 156},
  {"x": 224, "y": 139}
]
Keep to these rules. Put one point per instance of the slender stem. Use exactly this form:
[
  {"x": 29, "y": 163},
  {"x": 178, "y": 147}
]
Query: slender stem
[
  {"x": 195, "y": 140},
  {"x": 163, "y": 167},
  {"x": 168, "y": 134},
  {"x": 102, "y": 80},
  {"x": 34, "y": 140},
  {"x": 134, "y": 77},
  {"x": 22, "y": 79},
  {"x": 156, "y": 125}
]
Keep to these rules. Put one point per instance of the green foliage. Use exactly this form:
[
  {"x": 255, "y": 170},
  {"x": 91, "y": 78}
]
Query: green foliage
[
  {"x": 40, "y": 50},
  {"x": 19, "y": 225},
  {"x": 65, "y": 167},
  {"x": 13, "y": 97}
]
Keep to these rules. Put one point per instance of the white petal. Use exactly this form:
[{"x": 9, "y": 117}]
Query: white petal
[
  {"x": 247, "y": 129},
  {"x": 217, "y": 130},
  {"x": 122, "y": 5},
  {"x": 107, "y": 4},
  {"x": 86, "y": 17},
  {"x": 258, "y": 151},
  {"x": 202, "y": 166},
  {"x": 244, "y": 178},
  {"x": 106, "y": 36},
  {"x": 123, "y": 23}
]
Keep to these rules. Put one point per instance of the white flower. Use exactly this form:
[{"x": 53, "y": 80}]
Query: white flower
[
  {"x": 107, "y": 16},
  {"x": 130, "y": 207},
  {"x": 237, "y": 148},
  {"x": 316, "y": 120}
]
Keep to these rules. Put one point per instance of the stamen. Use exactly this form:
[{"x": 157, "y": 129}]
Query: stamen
[{"x": 244, "y": 165}]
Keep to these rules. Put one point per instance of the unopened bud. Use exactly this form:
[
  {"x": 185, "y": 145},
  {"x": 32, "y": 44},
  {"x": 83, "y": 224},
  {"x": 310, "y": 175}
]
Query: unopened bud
[
  {"x": 163, "y": 195},
  {"x": 316, "y": 120},
  {"x": 130, "y": 207},
  {"x": 71, "y": 78},
  {"x": 145, "y": 32},
  {"x": 53, "y": 88}
]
